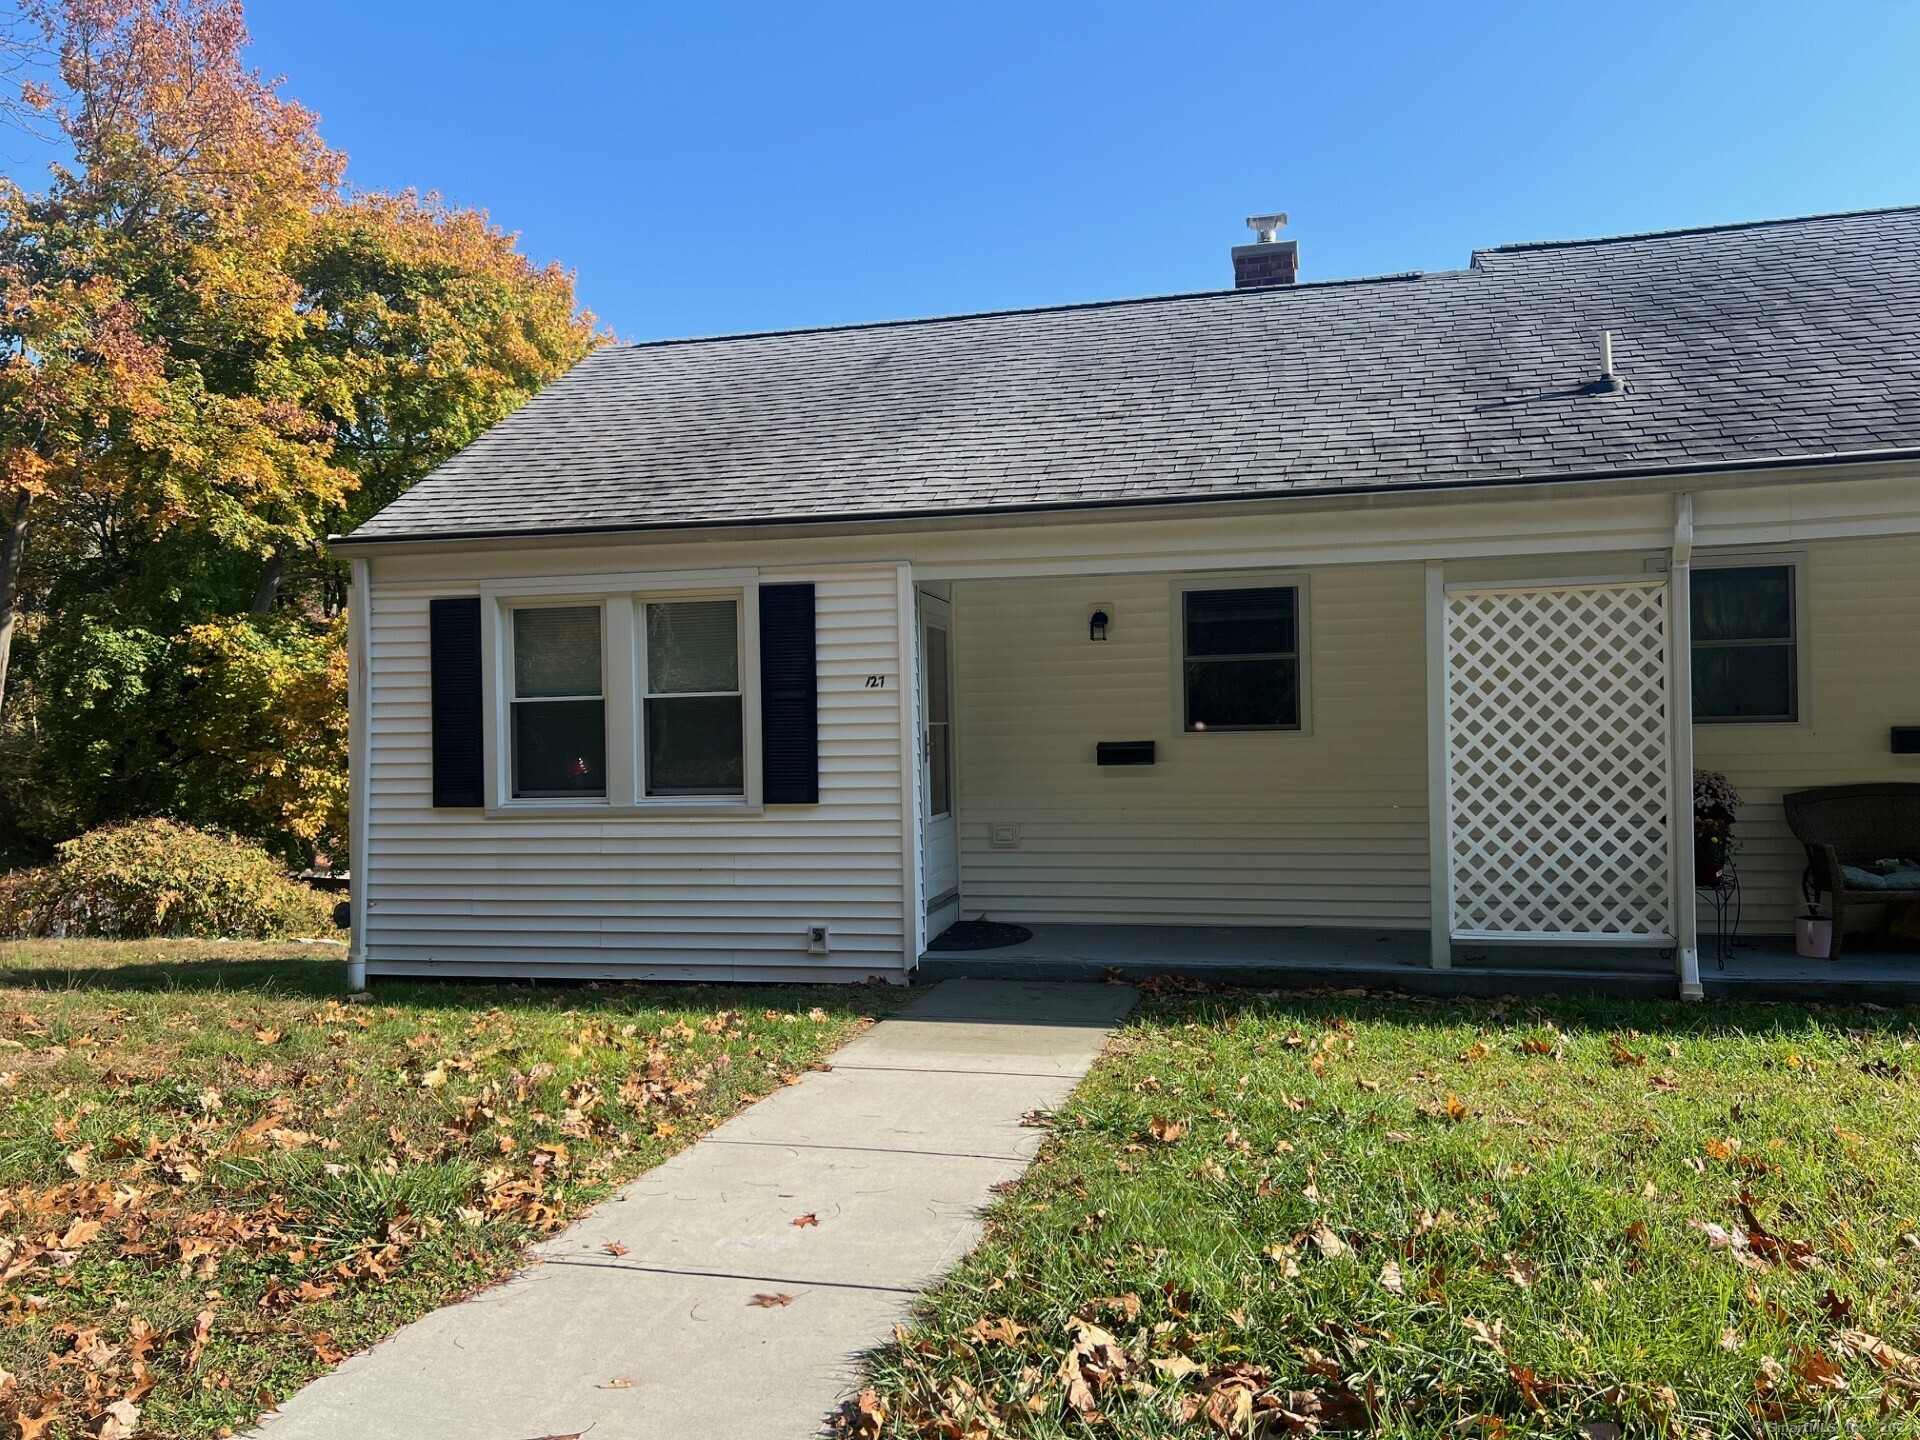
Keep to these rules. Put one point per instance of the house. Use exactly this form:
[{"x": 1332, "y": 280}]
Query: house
[{"x": 1402, "y": 606}]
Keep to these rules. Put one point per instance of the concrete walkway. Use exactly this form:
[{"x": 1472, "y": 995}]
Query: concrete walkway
[{"x": 894, "y": 1150}]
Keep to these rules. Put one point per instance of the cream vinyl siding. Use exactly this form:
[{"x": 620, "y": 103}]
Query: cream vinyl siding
[
  {"x": 1863, "y": 647},
  {"x": 1270, "y": 828},
  {"x": 680, "y": 897}
]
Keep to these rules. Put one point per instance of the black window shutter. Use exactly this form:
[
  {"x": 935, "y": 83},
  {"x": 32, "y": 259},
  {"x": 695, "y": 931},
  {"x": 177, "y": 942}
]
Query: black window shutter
[
  {"x": 454, "y": 638},
  {"x": 789, "y": 697}
]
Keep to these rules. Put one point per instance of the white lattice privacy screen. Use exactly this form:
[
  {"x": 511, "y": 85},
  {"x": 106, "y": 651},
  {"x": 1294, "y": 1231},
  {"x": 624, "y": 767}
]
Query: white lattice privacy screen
[{"x": 1558, "y": 762}]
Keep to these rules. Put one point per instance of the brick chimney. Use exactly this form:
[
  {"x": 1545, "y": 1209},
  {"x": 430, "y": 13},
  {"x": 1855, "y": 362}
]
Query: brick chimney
[{"x": 1269, "y": 260}]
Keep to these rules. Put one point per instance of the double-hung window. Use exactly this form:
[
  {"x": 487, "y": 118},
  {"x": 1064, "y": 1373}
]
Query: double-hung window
[
  {"x": 693, "y": 719},
  {"x": 1746, "y": 663},
  {"x": 1240, "y": 659},
  {"x": 558, "y": 706}
]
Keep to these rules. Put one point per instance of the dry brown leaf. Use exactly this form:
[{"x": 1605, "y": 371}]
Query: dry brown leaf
[
  {"x": 119, "y": 1421},
  {"x": 1816, "y": 1371},
  {"x": 1166, "y": 1131},
  {"x": 1127, "y": 1304},
  {"x": 1328, "y": 1242},
  {"x": 619, "y": 1382},
  {"x": 267, "y": 1037},
  {"x": 614, "y": 1247},
  {"x": 1004, "y": 1331},
  {"x": 806, "y": 1220},
  {"x": 862, "y": 1418},
  {"x": 769, "y": 1302},
  {"x": 1390, "y": 1278},
  {"x": 1178, "y": 1367}
]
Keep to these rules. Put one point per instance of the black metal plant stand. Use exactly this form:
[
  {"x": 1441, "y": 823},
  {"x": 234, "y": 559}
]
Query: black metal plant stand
[{"x": 1724, "y": 897}]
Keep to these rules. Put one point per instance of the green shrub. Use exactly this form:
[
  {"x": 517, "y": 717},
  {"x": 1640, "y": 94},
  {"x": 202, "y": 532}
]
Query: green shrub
[{"x": 152, "y": 878}]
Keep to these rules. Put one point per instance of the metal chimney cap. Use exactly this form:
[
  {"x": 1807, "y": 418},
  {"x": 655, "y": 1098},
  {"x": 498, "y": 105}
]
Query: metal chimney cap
[{"x": 1266, "y": 228}]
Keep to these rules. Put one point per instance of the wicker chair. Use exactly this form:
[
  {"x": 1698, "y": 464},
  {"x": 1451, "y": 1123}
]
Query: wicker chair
[{"x": 1854, "y": 825}]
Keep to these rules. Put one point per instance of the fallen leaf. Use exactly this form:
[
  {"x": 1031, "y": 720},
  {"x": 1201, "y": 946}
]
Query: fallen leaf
[
  {"x": 1600, "y": 1430},
  {"x": 1390, "y": 1277},
  {"x": 1816, "y": 1371},
  {"x": 267, "y": 1037},
  {"x": 863, "y": 1418},
  {"x": 1729, "y": 1339},
  {"x": 1166, "y": 1131},
  {"x": 619, "y": 1382},
  {"x": 1004, "y": 1331},
  {"x": 118, "y": 1421},
  {"x": 1328, "y": 1243},
  {"x": 614, "y": 1247},
  {"x": 1479, "y": 1050},
  {"x": 769, "y": 1302},
  {"x": 803, "y": 1221},
  {"x": 1178, "y": 1367}
]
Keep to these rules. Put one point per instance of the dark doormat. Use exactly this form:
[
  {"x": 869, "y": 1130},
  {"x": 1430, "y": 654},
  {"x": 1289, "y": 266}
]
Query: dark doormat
[{"x": 980, "y": 935}]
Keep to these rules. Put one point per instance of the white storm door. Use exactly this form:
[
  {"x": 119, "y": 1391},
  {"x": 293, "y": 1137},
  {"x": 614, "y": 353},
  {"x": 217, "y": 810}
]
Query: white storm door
[{"x": 939, "y": 838}]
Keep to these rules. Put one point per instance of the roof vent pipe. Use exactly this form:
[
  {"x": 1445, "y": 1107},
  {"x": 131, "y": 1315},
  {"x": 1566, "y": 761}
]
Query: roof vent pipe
[{"x": 1609, "y": 379}]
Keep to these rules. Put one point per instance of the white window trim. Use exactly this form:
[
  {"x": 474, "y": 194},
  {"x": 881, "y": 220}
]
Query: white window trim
[
  {"x": 1297, "y": 580},
  {"x": 621, "y": 684},
  {"x": 1795, "y": 560}
]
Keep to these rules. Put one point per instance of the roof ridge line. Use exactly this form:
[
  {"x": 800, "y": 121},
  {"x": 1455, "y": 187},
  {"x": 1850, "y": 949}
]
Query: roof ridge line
[
  {"x": 1395, "y": 277},
  {"x": 1633, "y": 235}
]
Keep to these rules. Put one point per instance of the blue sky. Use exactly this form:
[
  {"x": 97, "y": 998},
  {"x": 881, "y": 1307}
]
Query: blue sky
[{"x": 719, "y": 167}]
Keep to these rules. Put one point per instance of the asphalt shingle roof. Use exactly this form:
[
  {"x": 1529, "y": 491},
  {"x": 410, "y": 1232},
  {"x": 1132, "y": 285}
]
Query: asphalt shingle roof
[{"x": 1783, "y": 339}]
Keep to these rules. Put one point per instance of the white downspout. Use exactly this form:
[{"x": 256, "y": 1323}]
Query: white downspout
[
  {"x": 359, "y": 767},
  {"x": 1686, "y": 919}
]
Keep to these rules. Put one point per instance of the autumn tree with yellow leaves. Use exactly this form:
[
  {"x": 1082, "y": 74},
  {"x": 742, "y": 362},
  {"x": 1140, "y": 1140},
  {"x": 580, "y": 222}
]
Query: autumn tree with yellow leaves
[{"x": 213, "y": 352}]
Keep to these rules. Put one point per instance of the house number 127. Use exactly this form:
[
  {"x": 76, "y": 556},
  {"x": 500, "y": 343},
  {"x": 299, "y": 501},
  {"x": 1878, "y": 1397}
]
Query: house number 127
[{"x": 876, "y": 682}]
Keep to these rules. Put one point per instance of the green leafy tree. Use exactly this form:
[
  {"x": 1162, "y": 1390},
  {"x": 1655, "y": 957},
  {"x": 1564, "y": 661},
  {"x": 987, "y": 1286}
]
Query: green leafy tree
[{"x": 212, "y": 353}]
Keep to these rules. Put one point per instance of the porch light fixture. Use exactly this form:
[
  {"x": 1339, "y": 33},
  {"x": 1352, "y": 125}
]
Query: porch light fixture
[{"x": 1097, "y": 622}]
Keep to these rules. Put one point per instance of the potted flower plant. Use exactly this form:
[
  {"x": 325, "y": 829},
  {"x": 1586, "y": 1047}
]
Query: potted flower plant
[{"x": 1714, "y": 803}]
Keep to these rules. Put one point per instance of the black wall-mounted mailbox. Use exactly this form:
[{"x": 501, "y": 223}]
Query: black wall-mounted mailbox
[
  {"x": 1906, "y": 739},
  {"x": 1123, "y": 752}
]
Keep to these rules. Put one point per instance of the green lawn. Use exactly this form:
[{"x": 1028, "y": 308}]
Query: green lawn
[
  {"x": 216, "y": 1178},
  {"x": 1269, "y": 1214}
]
